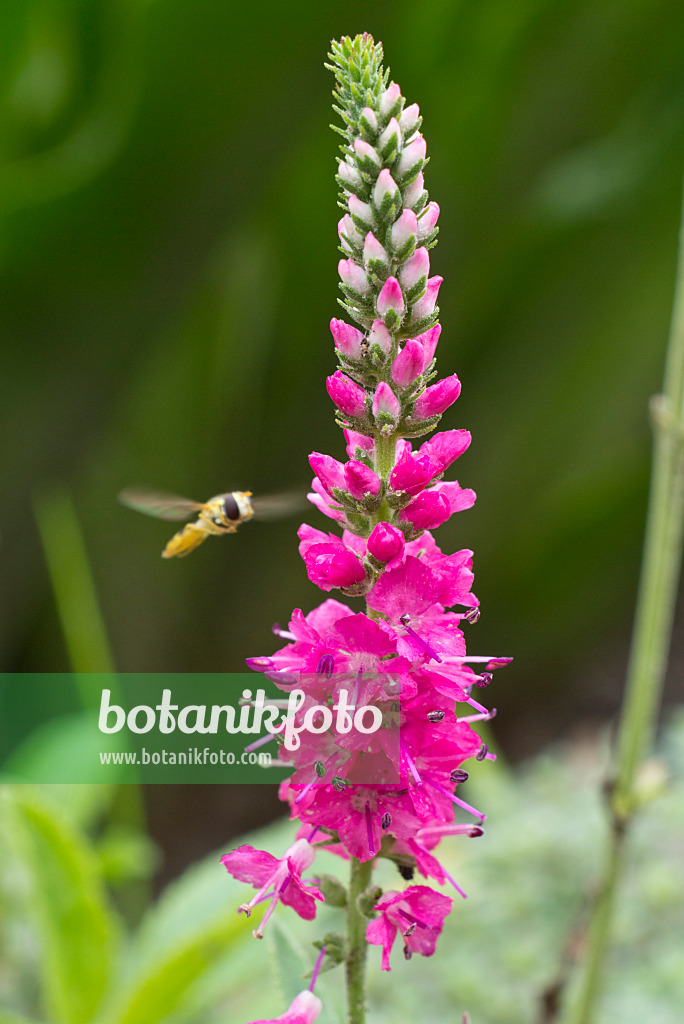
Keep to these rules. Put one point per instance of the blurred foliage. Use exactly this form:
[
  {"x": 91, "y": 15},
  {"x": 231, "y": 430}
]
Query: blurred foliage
[
  {"x": 168, "y": 271},
  {"x": 69, "y": 956}
]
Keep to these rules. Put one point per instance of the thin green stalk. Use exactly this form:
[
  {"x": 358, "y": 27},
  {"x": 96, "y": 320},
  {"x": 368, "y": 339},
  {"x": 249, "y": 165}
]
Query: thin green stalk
[
  {"x": 357, "y": 947},
  {"x": 650, "y": 645}
]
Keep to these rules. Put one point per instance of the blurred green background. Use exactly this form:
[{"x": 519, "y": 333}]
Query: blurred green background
[{"x": 168, "y": 272}]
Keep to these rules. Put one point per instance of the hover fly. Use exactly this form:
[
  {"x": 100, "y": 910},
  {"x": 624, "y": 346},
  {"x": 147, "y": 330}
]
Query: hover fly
[{"x": 220, "y": 514}]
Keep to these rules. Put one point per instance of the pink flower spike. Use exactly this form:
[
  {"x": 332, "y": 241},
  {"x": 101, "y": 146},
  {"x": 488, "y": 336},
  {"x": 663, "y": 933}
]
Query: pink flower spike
[
  {"x": 347, "y": 339},
  {"x": 412, "y": 156},
  {"x": 347, "y": 396},
  {"x": 425, "y": 306},
  {"x": 262, "y": 869},
  {"x": 427, "y": 511},
  {"x": 391, "y": 299},
  {"x": 353, "y": 277},
  {"x": 385, "y": 402},
  {"x": 418, "y": 913},
  {"x": 328, "y": 470},
  {"x": 404, "y": 229},
  {"x": 379, "y": 335},
  {"x": 389, "y": 99},
  {"x": 415, "y": 268},
  {"x": 409, "y": 118},
  {"x": 386, "y": 190},
  {"x": 428, "y": 220},
  {"x": 385, "y": 542},
  {"x": 436, "y": 399},
  {"x": 373, "y": 252},
  {"x": 360, "y": 480},
  {"x": 304, "y": 1009}
]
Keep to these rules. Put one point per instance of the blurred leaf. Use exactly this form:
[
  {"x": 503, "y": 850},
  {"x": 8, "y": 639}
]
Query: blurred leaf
[
  {"x": 76, "y": 927},
  {"x": 291, "y": 962}
]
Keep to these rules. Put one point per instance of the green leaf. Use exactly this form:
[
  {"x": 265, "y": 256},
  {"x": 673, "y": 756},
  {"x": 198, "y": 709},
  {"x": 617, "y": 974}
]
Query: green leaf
[
  {"x": 76, "y": 928},
  {"x": 291, "y": 963}
]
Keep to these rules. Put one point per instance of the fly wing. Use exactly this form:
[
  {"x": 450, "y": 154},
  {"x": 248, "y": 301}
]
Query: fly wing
[
  {"x": 159, "y": 504},
  {"x": 278, "y": 506}
]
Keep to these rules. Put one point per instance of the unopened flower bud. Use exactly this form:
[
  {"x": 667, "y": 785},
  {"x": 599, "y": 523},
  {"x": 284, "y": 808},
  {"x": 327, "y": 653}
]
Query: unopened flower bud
[
  {"x": 409, "y": 118},
  {"x": 390, "y": 303},
  {"x": 386, "y": 192},
  {"x": 360, "y": 480},
  {"x": 425, "y": 306},
  {"x": 429, "y": 341},
  {"x": 368, "y": 120},
  {"x": 380, "y": 336},
  {"x": 349, "y": 234},
  {"x": 389, "y": 100},
  {"x": 361, "y": 214},
  {"x": 347, "y": 396},
  {"x": 427, "y": 220},
  {"x": 412, "y": 158},
  {"x": 385, "y": 542},
  {"x": 329, "y": 471},
  {"x": 347, "y": 339},
  {"x": 415, "y": 270},
  {"x": 353, "y": 277},
  {"x": 389, "y": 142},
  {"x": 386, "y": 405},
  {"x": 426, "y": 511},
  {"x": 436, "y": 399},
  {"x": 408, "y": 365},
  {"x": 413, "y": 194},
  {"x": 349, "y": 175},
  {"x": 366, "y": 157},
  {"x": 404, "y": 231},
  {"x": 374, "y": 256}
]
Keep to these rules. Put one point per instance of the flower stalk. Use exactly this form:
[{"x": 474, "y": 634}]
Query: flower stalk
[
  {"x": 357, "y": 947},
  {"x": 651, "y": 638}
]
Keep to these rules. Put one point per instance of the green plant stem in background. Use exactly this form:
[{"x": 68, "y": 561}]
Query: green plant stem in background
[
  {"x": 650, "y": 644},
  {"x": 357, "y": 947}
]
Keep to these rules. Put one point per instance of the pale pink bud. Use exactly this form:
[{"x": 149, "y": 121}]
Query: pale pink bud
[
  {"x": 436, "y": 399},
  {"x": 415, "y": 268},
  {"x": 425, "y": 306},
  {"x": 355, "y": 441},
  {"x": 414, "y": 191},
  {"x": 385, "y": 186},
  {"x": 350, "y": 176},
  {"x": 404, "y": 229},
  {"x": 379, "y": 335},
  {"x": 410, "y": 117},
  {"x": 347, "y": 396},
  {"x": 429, "y": 342},
  {"x": 373, "y": 252},
  {"x": 390, "y": 298},
  {"x": 385, "y": 402},
  {"x": 389, "y": 99},
  {"x": 370, "y": 119},
  {"x": 385, "y": 542},
  {"x": 346, "y": 226},
  {"x": 413, "y": 155},
  {"x": 347, "y": 339},
  {"x": 365, "y": 154},
  {"x": 427, "y": 220},
  {"x": 354, "y": 277},
  {"x": 362, "y": 210},
  {"x": 390, "y": 140},
  {"x": 360, "y": 480},
  {"x": 408, "y": 365}
]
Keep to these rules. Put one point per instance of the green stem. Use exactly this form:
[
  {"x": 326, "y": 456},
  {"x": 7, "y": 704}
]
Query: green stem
[
  {"x": 650, "y": 644},
  {"x": 357, "y": 947}
]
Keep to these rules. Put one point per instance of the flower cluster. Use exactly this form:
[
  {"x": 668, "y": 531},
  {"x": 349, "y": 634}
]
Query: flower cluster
[{"x": 392, "y": 794}]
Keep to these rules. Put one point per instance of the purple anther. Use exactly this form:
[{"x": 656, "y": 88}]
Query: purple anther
[
  {"x": 482, "y": 752},
  {"x": 472, "y": 615},
  {"x": 483, "y": 680},
  {"x": 386, "y": 820},
  {"x": 326, "y": 666},
  {"x": 436, "y": 716},
  {"x": 459, "y": 775}
]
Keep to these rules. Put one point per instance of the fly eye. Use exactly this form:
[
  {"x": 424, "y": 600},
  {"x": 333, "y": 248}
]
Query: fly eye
[{"x": 230, "y": 507}]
